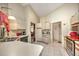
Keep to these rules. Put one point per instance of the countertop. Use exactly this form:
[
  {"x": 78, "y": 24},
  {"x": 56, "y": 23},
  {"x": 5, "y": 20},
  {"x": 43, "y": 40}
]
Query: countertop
[
  {"x": 12, "y": 38},
  {"x": 17, "y": 48}
]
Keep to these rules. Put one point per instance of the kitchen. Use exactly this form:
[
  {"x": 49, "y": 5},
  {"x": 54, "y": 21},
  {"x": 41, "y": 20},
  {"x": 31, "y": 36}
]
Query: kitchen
[
  {"x": 15, "y": 30},
  {"x": 20, "y": 23}
]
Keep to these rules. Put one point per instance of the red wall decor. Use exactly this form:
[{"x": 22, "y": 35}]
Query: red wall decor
[{"x": 4, "y": 19}]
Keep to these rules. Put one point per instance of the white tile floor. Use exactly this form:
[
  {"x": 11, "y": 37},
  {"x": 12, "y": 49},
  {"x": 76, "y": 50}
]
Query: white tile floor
[{"x": 54, "y": 49}]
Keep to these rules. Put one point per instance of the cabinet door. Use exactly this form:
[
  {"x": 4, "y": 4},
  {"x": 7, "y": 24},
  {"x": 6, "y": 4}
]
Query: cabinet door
[
  {"x": 47, "y": 26},
  {"x": 74, "y": 19},
  {"x": 76, "y": 48}
]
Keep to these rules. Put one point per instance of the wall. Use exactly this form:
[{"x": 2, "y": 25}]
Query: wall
[
  {"x": 17, "y": 10},
  {"x": 3, "y": 9},
  {"x": 30, "y": 17},
  {"x": 63, "y": 14}
]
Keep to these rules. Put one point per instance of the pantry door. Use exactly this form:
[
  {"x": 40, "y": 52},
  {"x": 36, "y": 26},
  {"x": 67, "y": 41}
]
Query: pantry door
[{"x": 57, "y": 32}]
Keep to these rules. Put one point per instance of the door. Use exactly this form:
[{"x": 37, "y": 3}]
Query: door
[
  {"x": 32, "y": 32},
  {"x": 57, "y": 32}
]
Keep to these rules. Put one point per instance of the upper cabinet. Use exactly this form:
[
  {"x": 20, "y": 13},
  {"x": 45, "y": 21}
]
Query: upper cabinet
[
  {"x": 75, "y": 22},
  {"x": 45, "y": 23},
  {"x": 75, "y": 19}
]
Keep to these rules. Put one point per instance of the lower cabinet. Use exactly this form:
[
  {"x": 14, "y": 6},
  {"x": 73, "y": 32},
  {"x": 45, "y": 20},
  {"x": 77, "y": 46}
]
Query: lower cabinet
[
  {"x": 46, "y": 36},
  {"x": 24, "y": 39},
  {"x": 77, "y": 48}
]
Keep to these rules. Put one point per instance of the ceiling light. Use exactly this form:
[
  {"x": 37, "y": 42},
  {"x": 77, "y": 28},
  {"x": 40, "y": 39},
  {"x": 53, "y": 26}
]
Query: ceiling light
[{"x": 11, "y": 18}]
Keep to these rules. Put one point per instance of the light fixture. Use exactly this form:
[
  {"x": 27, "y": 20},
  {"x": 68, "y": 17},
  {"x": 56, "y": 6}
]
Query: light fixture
[{"x": 11, "y": 18}]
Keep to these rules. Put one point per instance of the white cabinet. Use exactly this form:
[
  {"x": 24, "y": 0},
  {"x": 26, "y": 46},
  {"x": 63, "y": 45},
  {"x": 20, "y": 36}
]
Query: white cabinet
[
  {"x": 46, "y": 36},
  {"x": 38, "y": 32},
  {"x": 75, "y": 22},
  {"x": 45, "y": 23},
  {"x": 75, "y": 18}
]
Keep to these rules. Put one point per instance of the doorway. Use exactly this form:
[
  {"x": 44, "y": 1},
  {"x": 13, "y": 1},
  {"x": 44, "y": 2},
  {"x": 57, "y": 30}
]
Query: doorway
[
  {"x": 57, "y": 36},
  {"x": 32, "y": 32}
]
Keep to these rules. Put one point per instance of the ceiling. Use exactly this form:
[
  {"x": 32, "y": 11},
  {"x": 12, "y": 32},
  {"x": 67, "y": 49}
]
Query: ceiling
[{"x": 43, "y": 9}]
